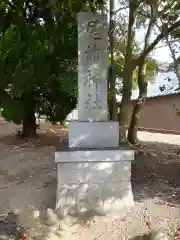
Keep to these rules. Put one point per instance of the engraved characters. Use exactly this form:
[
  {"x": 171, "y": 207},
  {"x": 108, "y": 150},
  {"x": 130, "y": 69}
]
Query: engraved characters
[{"x": 92, "y": 56}]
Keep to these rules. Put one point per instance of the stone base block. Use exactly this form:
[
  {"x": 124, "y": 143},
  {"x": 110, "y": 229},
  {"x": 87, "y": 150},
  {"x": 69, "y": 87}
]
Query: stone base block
[
  {"x": 99, "y": 183},
  {"x": 93, "y": 134}
]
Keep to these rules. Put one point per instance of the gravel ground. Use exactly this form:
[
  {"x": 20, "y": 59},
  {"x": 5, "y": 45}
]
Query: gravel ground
[{"x": 28, "y": 183}]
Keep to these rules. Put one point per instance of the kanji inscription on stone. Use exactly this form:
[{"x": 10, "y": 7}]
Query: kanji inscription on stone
[{"x": 92, "y": 66}]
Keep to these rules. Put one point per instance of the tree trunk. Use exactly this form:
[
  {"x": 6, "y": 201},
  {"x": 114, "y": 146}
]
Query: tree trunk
[
  {"x": 109, "y": 93},
  {"x": 123, "y": 115},
  {"x": 112, "y": 75},
  {"x": 112, "y": 105},
  {"x": 127, "y": 74},
  {"x": 142, "y": 84},
  {"x": 29, "y": 125}
]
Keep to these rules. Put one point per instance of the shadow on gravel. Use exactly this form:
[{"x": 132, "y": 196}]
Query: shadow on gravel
[
  {"x": 157, "y": 175},
  {"x": 9, "y": 227},
  {"x": 141, "y": 237},
  {"x": 47, "y": 135}
]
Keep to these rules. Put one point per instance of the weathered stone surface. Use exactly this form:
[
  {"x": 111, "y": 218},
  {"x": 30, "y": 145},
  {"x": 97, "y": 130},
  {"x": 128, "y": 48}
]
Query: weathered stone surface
[
  {"x": 93, "y": 134},
  {"x": 101, "y": 187},
  {"x": 101, "y": 198},
  {"x": 93, "y": 172},
  {"x": 93, "y": 155},
  {"x": 92, "y": 66}
]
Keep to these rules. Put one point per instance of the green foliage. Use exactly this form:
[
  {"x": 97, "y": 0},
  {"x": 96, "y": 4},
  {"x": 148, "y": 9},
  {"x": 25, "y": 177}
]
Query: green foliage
[
  {"x": 151, "y": 66},
  {"x": 38, "y": 57},
  {"x": 38, "y": 65}
]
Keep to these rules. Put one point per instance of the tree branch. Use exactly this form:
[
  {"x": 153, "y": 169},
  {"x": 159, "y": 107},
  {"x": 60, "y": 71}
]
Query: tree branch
[
  {"x": 150, "y": 25},
  {"x": 173, "y": 55},
  {"x": 120, "y": 9},
  {"x": 154, "y": 43}
]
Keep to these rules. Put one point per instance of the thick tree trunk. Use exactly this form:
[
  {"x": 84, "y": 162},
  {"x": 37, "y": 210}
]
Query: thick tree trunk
[
  {"x": 123, "y": 115},
  {"x": 29, "y": 125},
  {"x": 132, "y": 131},
  {"x": 142, "y": 84},
  {"x": 112, "y": 104},
  {"x": 112, "y": 75},
  {"x": 127, "y": 74},
  {"x": 109, "y": 93}
]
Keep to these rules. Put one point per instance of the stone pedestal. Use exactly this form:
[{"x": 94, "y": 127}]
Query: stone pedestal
[
  {"x": 94, "y": 173},
  {"x": 93, "y": 177},
  {"x": 97, "y": 181}
]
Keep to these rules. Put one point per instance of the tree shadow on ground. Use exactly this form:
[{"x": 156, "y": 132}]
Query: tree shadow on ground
[
  {"x": 156, "y": 173},
  {"x": 9, "y": 227},
  {"x": 29, "y": 215},
  {"x": 47, "y": 135},
  {"x": 141, "y": 237}
]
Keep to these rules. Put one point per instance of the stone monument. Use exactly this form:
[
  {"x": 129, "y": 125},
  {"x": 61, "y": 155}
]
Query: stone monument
[{"x": 94, "y": 173}]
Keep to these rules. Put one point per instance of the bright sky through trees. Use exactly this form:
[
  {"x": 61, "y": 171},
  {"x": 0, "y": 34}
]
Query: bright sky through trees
[{"x": 162, "y": 54}]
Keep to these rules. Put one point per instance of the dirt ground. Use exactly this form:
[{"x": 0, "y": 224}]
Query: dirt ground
[{"x": 28, "y": 183}]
